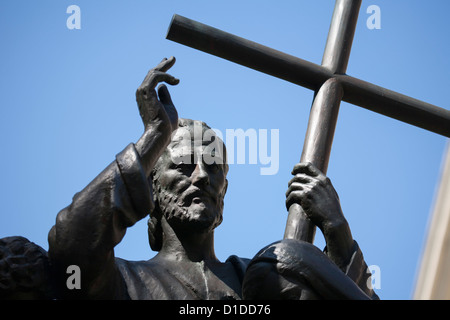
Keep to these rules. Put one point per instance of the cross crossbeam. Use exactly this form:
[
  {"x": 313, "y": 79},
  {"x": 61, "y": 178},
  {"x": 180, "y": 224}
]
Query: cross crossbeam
[
  {"x": 307, "y": 74},
  {"x": 329, "y": 81}
]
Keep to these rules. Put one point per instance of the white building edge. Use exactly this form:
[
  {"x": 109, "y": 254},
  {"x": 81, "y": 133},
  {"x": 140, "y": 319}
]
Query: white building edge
[{"x": 433, "y": 277}]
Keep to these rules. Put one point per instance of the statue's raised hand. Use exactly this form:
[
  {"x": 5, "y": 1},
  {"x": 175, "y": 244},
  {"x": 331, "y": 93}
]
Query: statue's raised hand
[
  {"x": 158, "y": 113},
  {"x": 157, "y": 108}
]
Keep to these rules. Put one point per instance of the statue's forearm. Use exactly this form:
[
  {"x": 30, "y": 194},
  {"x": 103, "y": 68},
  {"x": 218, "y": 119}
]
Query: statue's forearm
[
  {"x": 151, "y": 145},
  {"x": 339, "y": 241}
]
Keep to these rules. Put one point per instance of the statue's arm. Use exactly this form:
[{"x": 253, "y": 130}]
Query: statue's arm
[
  {"x": 313, "y": 191},
  {"x": 292, "y": 269},
  {"x": 86, "y": 232}
]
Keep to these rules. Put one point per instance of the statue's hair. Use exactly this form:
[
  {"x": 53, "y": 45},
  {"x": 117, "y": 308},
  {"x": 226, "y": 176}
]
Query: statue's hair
[{"x": 154, "y": 222}]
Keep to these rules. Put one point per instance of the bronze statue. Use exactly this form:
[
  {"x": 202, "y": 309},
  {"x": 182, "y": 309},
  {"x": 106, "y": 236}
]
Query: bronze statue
[{"x": 185, "y": 203}]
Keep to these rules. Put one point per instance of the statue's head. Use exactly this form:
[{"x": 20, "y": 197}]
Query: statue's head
[
  {"x": 25, "y": 270},
  {"x": 189, "y": 182}
]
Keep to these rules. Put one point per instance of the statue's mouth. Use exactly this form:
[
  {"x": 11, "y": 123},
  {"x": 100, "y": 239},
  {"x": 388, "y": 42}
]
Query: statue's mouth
[{"x": 196, "y": 196}]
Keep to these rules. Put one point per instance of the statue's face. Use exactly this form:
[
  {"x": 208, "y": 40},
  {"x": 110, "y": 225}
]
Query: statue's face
[{"x": 191, "y": 189}]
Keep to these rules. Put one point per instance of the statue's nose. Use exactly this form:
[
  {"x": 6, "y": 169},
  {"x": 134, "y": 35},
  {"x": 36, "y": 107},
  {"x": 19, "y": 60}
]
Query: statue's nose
[{"x": 200, "y": 174}]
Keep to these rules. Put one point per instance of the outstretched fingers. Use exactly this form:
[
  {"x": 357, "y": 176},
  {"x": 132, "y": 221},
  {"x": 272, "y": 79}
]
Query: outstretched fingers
[
  {"x": 157, "y": 75},
  {"x": 154, "y": 77},
  {"x": 165, "y": 64}
]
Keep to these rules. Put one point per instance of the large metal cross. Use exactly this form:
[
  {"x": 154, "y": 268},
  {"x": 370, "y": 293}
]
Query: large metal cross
[{"x": 329, "y": 82}]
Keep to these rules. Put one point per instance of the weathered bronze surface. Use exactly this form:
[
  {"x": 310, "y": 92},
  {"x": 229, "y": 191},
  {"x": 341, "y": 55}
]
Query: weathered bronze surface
[{"x": 165, "y": 174}]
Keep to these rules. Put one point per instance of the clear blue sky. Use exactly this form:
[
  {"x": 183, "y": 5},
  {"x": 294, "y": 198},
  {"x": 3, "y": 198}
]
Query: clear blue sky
[{"x": 68, "y": 107}]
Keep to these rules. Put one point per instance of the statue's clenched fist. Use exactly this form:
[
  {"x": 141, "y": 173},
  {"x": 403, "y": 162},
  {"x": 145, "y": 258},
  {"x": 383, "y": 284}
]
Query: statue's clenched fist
[{"x": 313, "y": 191}]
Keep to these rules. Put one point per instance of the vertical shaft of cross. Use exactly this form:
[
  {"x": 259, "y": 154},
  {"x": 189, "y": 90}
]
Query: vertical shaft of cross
[
  {"x": 325, "y": 108},
  {"x": 340, "y": 36},
  {"x": 316, "y": 150}
]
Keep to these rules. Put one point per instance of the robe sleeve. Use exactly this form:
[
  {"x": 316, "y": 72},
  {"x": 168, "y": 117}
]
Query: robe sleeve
[
  {"x": 358, "y": 271},
  {"x": 86, "y": 231}
]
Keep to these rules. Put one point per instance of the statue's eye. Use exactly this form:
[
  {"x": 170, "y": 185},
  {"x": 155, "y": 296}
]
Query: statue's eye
[
  {"x": 214, "y": 167},
  {"x": 184, "y": 167}
]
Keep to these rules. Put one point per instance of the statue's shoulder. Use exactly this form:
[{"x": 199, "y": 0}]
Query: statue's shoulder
[
  {"x": 239, "y": 264},
  {"x": 130, "y": 266}
]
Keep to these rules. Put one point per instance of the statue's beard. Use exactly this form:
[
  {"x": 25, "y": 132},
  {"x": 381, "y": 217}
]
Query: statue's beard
[{"x": 189, "y": 216}]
